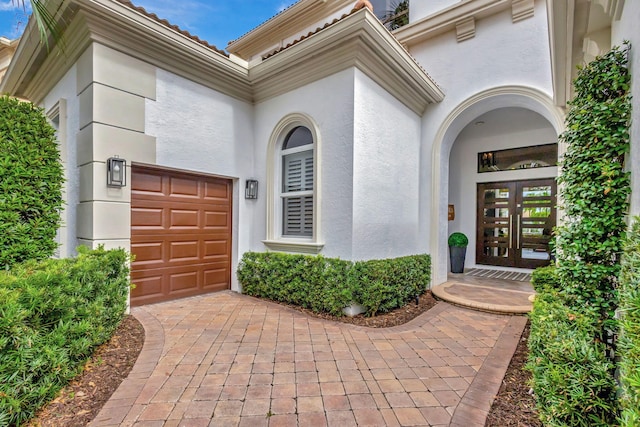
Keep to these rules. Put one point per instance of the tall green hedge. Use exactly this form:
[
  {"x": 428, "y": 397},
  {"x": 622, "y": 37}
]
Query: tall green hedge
[
  {"x": 572, "y": 322},
  {"x": 594, "y": 185},
  {"x": 330, "y": 284},
  {"x": 31, "y": 180},
  {"x": 53, "y": 313},
  {"x": 629, "y": 342}
]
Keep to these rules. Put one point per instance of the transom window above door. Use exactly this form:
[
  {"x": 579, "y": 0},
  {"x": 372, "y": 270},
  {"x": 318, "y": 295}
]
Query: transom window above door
[{"x": 537, "y": 156}]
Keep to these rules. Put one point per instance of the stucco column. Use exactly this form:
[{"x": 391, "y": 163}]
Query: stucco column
[{"x": 112, "y": 92}]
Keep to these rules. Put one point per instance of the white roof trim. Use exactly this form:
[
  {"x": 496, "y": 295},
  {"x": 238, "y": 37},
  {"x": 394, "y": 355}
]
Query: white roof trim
[{"x": 360, "y": 41}]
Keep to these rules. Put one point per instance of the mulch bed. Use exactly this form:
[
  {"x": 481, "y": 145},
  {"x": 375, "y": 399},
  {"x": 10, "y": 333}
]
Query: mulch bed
[
  {"x": 78, "y": 403},
  {"x": 514, "y": 406}
]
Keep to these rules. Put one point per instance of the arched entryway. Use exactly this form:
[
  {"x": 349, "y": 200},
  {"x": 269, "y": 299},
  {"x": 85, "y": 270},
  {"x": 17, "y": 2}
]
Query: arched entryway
[{"x": 517, "y": 101}]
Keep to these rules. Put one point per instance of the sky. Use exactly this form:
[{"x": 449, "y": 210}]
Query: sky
[{"x": 215, "y": 21}]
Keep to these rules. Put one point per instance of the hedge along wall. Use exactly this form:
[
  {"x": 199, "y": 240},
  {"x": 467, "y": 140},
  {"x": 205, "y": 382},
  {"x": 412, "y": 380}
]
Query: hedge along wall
[
  {"x": 31, "y": 180},
  {"x": 629, "y": 343},
  {"x": 330, "y": 284},
  {"x": 53, "y": 314}
]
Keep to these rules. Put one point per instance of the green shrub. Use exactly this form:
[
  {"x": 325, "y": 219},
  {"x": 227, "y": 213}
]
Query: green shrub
[
  {"x": 458, "y": 240},
  {"x": 383, "y": 285},
  {"x": 313, "y": 282},
  {"x": 330, "y": 284},
  {"x": 629, "y": 341},
  {"x": 571, "y": 376},
  {"x": 545, "y": 279},
  {"x": 31, "y": 180},
  {"x": 573, "y": 323},
  {"x": 53, "y": 314},
  {"x": 595, "y": 184}
]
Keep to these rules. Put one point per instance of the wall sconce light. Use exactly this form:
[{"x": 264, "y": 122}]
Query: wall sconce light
[
  {"x": 251, "y": 189},
  {"x": 116, "y": 172}
]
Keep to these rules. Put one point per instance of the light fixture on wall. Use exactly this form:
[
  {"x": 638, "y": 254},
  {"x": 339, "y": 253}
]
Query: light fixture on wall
[
  {"x": 116, "y": 172},
  {"x": 251, "y": 189}
]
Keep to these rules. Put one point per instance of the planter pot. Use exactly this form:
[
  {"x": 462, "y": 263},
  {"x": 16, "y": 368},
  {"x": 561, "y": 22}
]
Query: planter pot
[
  {"x": 457, "y": 256},
  {"x": 353, "y": 310}
]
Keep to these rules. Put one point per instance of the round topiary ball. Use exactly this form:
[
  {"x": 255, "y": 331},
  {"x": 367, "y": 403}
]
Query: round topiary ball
[{"x": 458, "y": 240}]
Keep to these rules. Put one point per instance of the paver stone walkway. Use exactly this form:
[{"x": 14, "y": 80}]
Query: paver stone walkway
[{"x": 226, "y": 359}]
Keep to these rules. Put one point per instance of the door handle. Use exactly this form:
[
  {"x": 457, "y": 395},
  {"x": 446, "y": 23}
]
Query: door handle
[
  {"x": 510, "y": 231},
  {"x": 518, "y": 233}
]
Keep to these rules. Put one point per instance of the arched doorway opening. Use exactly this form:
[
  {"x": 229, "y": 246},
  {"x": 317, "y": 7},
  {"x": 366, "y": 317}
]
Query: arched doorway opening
[{"x": 499, "y": 105}]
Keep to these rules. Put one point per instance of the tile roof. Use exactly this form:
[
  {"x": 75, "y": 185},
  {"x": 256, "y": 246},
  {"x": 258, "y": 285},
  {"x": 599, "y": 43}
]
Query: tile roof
[
  {"x": 167, "y": 24},
  {"x": 309, "y": 34},
  {"x": 329, "y": 24},
  {"x": 268, "y": 20}
]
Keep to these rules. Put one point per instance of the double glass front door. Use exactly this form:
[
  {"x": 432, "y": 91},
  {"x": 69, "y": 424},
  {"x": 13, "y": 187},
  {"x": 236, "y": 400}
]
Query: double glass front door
[{"x": 515, "y": 221}]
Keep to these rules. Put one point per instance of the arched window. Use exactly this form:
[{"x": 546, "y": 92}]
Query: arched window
[
  {"x": 297, "y": 183},
  {"x": 293, "y": 186}
]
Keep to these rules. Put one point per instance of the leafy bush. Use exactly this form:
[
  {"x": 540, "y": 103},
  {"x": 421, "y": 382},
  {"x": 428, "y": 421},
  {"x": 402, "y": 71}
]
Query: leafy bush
[
  {"x": 572, "y": 323},
  {"x": 545, "y": 279},
  {"x": 53, "y": 314},
  {"x": 595, "y": 185},
  {"x": 571, "y": 376},
  {"x": 458, "y": 240},
  {"x": 383, "y": 285},
  {"x": 31, "y": 180},
  {"x": 629, "y": 343},
  {"x": 330, "y": 284},
  {"x": 314, "y": 282}
]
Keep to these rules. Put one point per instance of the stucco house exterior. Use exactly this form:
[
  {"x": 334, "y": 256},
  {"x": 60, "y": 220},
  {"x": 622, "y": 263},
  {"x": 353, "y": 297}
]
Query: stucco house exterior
[{"x": 363, "y": 142}]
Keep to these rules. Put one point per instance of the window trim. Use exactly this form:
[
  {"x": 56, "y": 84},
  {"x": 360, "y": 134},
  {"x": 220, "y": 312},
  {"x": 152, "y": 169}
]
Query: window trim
[{"x": 275, "y": 240}]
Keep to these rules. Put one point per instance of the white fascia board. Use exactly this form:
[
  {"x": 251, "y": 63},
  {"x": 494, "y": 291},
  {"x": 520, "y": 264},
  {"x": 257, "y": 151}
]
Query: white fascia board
[
  {"x": 446, "y": 19},
  {"x": 359, "y": 41}
]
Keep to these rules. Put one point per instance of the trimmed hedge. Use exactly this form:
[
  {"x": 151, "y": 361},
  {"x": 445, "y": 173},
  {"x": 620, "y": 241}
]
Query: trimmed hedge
[
  {"x": 571, "y": 376},
  {"x": 330, "y": 284},
  {"x": 53, "y": 314},
  {"x": 629, "y": 341},
  {"x": 545, "y": 279},
  {"x": 31, "y": 178}
]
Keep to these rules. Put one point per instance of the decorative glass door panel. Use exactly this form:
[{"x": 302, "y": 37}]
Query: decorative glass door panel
[{"x": 515, "y": 220}]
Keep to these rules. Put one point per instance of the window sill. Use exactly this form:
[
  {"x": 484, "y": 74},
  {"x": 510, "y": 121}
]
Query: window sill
[{"x": 294, "y": 246}]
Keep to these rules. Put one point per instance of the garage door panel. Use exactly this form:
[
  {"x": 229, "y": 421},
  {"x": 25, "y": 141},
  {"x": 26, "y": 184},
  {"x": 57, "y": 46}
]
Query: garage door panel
[
  {"x": 149, "y": 182},
  {"x": 181, "y": 218},
  {"x": 147, "y": 253},
  {"x": 183, "y": 281},
  {"x": 216, "y": 219},
  {"x": 147, "y": 217},
  {"x": 180, "y": 234},
  {"x": 146, "y": 286},
  {"x": 215, "y": 248},
  {"x": 216, "y": 278},
  {"x": 184, "y": 188},
  {"x": 216, "y": 191},
  {"x": 184, "y": 251}
]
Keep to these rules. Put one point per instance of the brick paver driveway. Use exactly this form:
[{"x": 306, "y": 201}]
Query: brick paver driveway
[{"x": 228, "y": 359}]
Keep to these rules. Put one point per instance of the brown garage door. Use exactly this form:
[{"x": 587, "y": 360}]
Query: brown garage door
[{"x": 180, "y": 234}]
